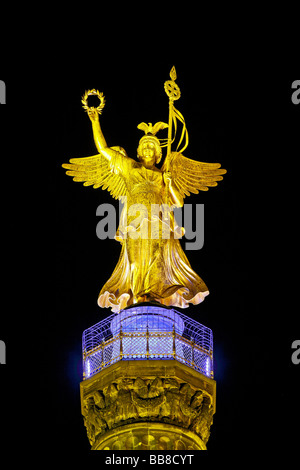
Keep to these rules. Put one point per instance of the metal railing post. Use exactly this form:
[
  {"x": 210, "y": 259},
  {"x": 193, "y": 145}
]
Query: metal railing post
[
  {"x": 147, "y": 343},
  {"x": 193, "y": 354},
  {"x": 174, "y": 343},
  {"x": 102, "y": 354},
  {"x": 121, "y": 343}
]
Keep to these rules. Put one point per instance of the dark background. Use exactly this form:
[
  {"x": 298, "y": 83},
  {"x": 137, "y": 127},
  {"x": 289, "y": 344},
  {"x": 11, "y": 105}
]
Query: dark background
[{"x": 238, "y": 112}]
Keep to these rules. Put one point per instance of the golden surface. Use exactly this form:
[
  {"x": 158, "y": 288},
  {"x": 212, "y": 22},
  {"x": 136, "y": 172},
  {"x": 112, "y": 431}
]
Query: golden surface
[
  {"x": 142, "y": 405},
  {"x": 152, "y": 265}
]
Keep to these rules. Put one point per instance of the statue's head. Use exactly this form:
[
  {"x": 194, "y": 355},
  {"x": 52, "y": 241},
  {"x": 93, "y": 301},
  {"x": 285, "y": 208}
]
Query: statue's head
[{"x": 149, "y": 150}]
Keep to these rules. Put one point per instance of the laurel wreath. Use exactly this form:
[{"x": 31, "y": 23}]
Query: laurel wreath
[{"x": 96, "y": 93}]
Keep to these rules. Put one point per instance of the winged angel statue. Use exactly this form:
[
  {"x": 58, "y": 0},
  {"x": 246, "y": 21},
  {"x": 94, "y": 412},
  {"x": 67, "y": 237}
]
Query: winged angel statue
[{"x": 152, "y": 265}]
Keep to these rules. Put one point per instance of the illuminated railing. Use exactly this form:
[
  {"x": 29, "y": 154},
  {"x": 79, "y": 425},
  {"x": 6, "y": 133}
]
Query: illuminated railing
[{"x": 147, "y": 333}]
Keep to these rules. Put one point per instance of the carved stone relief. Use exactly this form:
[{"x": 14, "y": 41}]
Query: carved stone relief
[{"x": 164, "y": 400}]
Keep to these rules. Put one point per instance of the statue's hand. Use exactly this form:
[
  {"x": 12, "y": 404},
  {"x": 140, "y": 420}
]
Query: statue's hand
[
  {"x": 93, "y": 114},
  {"x": 167, "y": 178}
]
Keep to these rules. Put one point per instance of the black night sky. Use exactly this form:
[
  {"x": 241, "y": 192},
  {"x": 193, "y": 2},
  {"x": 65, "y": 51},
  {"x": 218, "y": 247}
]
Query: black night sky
[{"x": 239, "y": 113}]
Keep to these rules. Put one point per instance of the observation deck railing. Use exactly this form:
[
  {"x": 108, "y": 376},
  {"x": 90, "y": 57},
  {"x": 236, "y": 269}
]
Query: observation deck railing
[{"x": 147, "y": 333}]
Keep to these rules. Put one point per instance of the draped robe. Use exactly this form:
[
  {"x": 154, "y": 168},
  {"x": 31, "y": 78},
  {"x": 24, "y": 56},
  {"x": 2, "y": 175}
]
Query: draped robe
[{"x": 152, "y": 262}]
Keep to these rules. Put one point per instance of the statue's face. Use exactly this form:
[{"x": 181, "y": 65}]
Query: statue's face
[{"x": 148, "y": 154}]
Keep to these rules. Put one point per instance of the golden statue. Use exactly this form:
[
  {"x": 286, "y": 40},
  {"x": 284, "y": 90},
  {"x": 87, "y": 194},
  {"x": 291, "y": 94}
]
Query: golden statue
[{"x": 152, "y": 265}]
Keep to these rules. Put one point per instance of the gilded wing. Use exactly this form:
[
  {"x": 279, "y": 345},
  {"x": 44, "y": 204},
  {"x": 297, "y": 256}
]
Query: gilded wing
[
  {"x": 190, "y": 176},
  {"x": 96, "y": 171}
]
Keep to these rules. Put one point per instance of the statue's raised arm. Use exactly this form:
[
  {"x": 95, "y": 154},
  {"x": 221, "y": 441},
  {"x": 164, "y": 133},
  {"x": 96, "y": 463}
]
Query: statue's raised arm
[
  {"x": 93, "y": 114},
  {"x": 106, "y": 169},
  {"x": 99, "y": 138}
]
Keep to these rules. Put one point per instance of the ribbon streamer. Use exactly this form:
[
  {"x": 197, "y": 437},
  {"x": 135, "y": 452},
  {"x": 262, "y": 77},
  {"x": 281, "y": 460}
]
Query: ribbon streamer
[{"x": 184, "y": 133}]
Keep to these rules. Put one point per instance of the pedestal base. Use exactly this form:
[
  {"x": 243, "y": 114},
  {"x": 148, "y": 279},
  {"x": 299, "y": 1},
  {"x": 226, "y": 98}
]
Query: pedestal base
[{"x": 149, "y": 436}]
